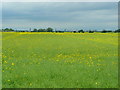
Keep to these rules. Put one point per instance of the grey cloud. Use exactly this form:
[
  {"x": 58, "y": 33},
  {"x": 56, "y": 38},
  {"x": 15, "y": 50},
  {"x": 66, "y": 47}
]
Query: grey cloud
[{"x": 87, "y": 13}]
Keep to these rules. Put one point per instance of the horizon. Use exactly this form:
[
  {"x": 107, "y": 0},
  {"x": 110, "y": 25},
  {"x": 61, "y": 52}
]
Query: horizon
[{"x": 32, "y": 29}]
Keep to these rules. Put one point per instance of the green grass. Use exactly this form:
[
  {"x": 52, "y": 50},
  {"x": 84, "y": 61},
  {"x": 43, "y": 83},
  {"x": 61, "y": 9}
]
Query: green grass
[{"x": 49, "y": 60}]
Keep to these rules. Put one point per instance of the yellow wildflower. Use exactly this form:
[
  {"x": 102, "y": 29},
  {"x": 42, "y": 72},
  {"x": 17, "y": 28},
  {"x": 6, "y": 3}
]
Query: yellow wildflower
[
  {"x": 5, "y": 61},
  {"x": 30, "y": 84},
  {"x": 13, "y": 64},
  {"x": 90, "y": 57}
]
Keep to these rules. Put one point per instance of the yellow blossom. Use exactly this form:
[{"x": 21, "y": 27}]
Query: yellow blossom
[
  {"x": 30, "y": 84},
  {"x": 13, "y": 64}
]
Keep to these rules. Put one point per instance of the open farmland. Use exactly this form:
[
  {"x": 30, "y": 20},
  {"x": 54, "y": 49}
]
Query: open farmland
[{"x": 59, "y": 60}]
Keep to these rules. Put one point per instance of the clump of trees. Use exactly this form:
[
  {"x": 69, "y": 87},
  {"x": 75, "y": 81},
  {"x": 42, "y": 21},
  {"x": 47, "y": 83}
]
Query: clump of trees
[
  {"x": 43, "y": 30},
  {"x": 91, "y": 31},
  {"x": 117, "y": 31},
  {"x": 7, "y": 30},
  {"x": 81, "y": 31},
  {"x": 106, "y": 31}
]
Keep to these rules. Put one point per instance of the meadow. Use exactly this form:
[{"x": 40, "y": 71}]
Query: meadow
[{"x": 59, "y": 60}]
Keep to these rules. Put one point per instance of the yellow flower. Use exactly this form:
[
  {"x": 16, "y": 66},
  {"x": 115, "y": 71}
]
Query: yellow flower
[
  {"x": 5, "y": 61},
  {"x": 13, "y": 64},
  {"x": 8, "y": 80},
  {"x": 30, "y": 84},
  {"x": 90, "y": 57}
]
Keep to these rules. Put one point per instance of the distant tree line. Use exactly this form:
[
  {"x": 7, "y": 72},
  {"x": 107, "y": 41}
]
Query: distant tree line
[
  {"x": 7, "y": 30},
  {"x": 43, "y": 30},
  {"x": 49, "y": 29}
]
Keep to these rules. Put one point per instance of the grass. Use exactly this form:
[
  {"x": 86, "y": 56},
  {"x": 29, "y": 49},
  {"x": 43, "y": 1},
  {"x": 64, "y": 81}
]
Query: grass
[{"x": 59, "y": 60}]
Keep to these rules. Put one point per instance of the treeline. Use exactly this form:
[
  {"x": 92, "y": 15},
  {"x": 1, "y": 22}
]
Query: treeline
[
  {"x": 7, "y": 30},
  {"x": 43, "y": 30},
  {"x": 35, "y": 30},
  {"x": 58, "y": 31}
]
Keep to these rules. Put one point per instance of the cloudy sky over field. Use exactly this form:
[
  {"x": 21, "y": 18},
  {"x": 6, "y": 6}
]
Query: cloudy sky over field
[{"x": 60, "y": 15}]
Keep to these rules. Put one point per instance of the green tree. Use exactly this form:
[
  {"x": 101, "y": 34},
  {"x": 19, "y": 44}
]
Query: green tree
[
  {"x": 49, "y": 29},
  {"x": 81, "y": 31},
  {"x": 8, "y": 30},
  {"x": 35, "y": 30},
  {"x": 41, "y": 30}
]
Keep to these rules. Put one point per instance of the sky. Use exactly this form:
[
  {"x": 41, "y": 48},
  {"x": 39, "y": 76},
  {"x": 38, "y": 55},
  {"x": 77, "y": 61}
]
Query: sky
[
  {"x": 60, "y": 15},
  {"x": 60, "y": 0}
]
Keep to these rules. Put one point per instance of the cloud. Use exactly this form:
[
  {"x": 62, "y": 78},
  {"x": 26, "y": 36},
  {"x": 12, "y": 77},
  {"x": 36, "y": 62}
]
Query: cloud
[{"x": 61, "y": 15}]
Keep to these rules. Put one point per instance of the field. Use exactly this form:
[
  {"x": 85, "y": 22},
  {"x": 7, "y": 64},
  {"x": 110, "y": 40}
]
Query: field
[{"x": 59, "y": 60}]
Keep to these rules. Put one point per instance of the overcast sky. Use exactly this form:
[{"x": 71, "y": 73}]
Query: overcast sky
[
  {"x": 60, "y": 15},
  {"x": 60, "y": 0}
]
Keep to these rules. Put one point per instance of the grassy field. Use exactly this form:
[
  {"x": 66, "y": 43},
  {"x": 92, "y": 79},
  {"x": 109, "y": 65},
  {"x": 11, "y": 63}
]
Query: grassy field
[{"x": 59, "y": 60}]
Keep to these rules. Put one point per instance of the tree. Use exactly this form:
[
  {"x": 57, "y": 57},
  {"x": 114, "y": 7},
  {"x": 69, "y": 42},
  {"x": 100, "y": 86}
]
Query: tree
[
  {"x": 41, "y": 30},
  {"x": 91, "y": 31},
  {"x": 117, "y": 31},
  {"x": 35, "y": 30},
  {"x": 8, "y": 30},
  {"x": 104, "y": 31},
  {"x": 49, "y": 29},
  {"x": 11, "y": 29},
  {"x": 81, "y": 31},
  {"x": 74, "y": 31}
]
